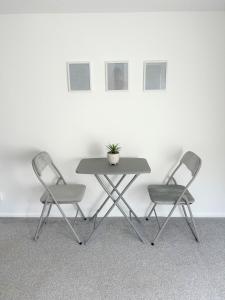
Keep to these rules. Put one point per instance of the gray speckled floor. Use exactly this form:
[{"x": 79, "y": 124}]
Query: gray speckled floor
[{"x": 114, "y": 265}]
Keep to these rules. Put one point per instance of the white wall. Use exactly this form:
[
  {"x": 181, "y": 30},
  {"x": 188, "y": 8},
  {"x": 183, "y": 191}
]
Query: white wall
[{"x": 38, "y": 113}]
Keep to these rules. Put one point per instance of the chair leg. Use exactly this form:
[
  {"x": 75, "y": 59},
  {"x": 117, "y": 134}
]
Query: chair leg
[
  {"x": 194, "y": 229},
  {"x": 186, "y": 218},
  {"x": 157, "y": 219},
  {"x": 153, "y": 209},
  {"x": 149, "y": 215},
  {"x": 49, "y": 210},
  {"x": 81, "y": 212},
  {"x": 69, "y": 224},
  {"x": 40, "y": 221},
  {"x": 164, "y": 225},
  {"x": 74, "y": 222},
  {"x": 130, "y": 216},
  {"x": 94, "y": 224}
]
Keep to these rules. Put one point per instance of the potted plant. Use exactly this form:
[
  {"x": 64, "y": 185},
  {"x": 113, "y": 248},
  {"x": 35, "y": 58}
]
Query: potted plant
[{"x": 113, "y": 154}]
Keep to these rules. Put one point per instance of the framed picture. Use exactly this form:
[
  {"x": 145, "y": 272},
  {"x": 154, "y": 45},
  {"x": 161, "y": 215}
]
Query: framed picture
[
  {"x": 116, "y": 76},
  {"x": 79, "y": 76},
  {"x": 155, "y": 75}
]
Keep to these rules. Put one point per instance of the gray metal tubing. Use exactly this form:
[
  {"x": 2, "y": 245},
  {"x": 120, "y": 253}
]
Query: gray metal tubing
[
  {"x": 103, "y": 204},
  {"x": 156, "y": 218},
  {"x": 110, "y": 196},
  {"x": 45, "y": 219},
  {"x": 131, "y": 224},
  {"x": 149, "y": 215},
  {"x": 40, "y": 221},
  {"x": 81, "y": 212},
  {"x": 68, "y": 223},
  {"x": 185, "y": 214},
  {"x": 193, "y": 222},
  {"x": 164, "y": 224},
  {"x": 173, "y": 173},
  {"x": 74, "y": 222},
  {"x": 94, "y": 222},
  {"x": 186, "y": 218},
  {"x": 122, "y": 198},
  {"x": 116, "y": 204},
  {"x": 49, "y": 210}
]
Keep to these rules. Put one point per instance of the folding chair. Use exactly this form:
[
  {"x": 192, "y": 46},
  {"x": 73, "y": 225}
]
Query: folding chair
[
  {"x": 174, "y": 194},
  {"x": 56, "y": 194}
]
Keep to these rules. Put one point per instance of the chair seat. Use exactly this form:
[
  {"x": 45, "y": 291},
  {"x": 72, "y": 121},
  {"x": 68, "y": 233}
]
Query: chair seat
[
  {"x": 168, "y": 194},
  {"x": 64, "y": 193}
]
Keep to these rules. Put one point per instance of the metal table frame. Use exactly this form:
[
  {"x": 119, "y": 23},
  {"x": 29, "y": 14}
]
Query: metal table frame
[{"x": 115, "y": 189}]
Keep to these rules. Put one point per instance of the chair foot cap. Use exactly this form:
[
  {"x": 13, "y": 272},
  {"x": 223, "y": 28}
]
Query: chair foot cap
[
  {"x": 85, "y": 219},
  {"x": 146, "y": 219},
  {"x": 80, "y": 243},
  {"x": 152, "y": 244}
]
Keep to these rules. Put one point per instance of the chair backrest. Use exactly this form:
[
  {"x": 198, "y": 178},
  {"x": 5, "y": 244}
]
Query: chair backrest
[
  {"x": 193, "y": 164},
  {"x": 40, "y": 162}
]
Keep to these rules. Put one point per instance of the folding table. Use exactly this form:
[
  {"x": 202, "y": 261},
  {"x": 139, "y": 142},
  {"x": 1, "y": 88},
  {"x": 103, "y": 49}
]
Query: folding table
[{"x": 101, "y": 169}]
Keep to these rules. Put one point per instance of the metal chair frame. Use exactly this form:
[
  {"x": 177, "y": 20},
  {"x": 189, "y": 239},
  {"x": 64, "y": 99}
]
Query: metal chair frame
[
  {"x": 194, "y": 169},
  {"x": 45, "y": 161}
]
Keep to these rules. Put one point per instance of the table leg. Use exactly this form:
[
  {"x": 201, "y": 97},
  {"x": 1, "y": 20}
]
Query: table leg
[
  {"x": 122, "y": 198},
  {"x": 116, "y": 204},
  {"x": 103, "y": 204}
]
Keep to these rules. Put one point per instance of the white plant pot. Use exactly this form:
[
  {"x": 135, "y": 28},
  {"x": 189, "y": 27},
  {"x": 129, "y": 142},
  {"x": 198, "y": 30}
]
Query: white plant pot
[{"x": 113, "y": 158}]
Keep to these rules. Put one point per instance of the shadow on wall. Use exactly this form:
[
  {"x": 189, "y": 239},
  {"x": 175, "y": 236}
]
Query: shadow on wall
[
  {"x": 13, "y": 164},
  {"x": 95, "y": 150},
  {"x": 175, "y": 157},
  {"x": 17, "y": 179}
]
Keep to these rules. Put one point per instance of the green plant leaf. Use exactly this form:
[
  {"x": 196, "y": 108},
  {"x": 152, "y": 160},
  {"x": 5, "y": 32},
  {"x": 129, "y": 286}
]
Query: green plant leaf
[{"x": 113, "y": 148}]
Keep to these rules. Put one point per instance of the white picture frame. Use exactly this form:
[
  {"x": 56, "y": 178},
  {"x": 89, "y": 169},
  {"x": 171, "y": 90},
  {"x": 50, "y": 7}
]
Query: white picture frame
[
  {"x": 116, "y": 76},
  {"x": 79, "y": 76},
  {"x": 155, "y": 75}
]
